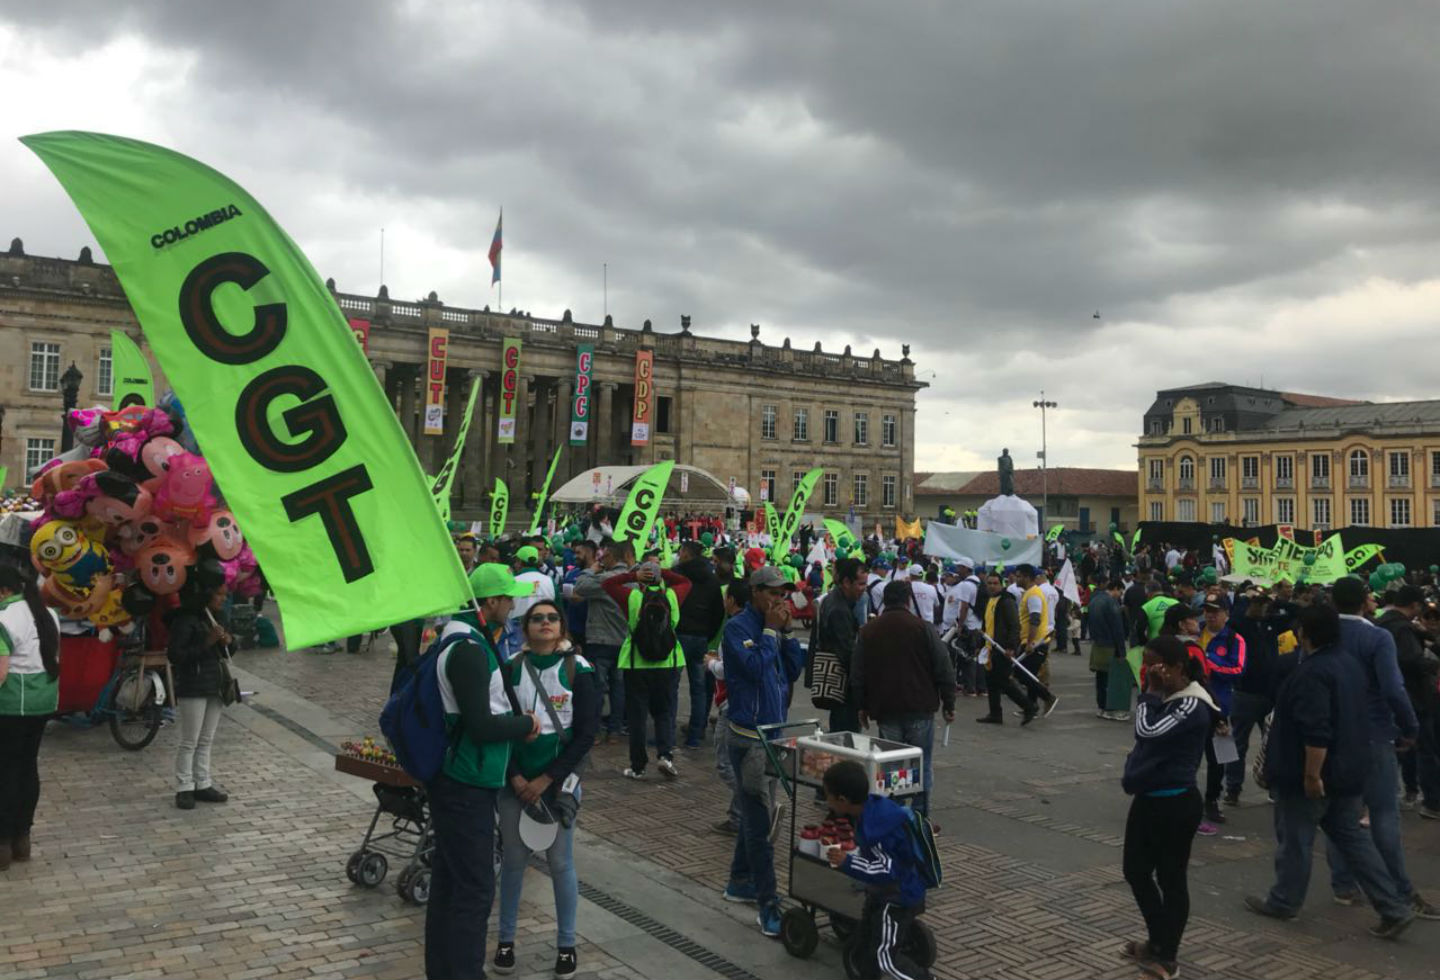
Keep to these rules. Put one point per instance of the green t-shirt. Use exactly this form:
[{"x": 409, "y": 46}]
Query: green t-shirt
[{"x": 28, "y": 689}]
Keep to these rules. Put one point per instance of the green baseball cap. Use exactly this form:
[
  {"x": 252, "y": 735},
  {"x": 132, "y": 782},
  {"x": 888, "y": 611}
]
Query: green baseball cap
[
  {"x": 495, "y": 580},
  {"x": 528, "y": 553}
]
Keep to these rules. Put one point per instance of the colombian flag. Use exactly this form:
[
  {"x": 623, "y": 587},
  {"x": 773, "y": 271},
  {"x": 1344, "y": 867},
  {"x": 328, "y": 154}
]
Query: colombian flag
[{"x": 496, "y": 244}]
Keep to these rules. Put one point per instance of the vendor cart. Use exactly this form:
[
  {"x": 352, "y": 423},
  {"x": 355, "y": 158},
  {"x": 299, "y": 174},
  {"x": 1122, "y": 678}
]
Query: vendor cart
[
  {"x": 409, "y": 838},
  {"x": 798, "y": 753}
]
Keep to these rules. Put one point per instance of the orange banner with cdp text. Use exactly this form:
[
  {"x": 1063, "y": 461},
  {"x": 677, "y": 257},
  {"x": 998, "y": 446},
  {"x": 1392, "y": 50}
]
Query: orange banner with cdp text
[{"x": 644, "y": 397}]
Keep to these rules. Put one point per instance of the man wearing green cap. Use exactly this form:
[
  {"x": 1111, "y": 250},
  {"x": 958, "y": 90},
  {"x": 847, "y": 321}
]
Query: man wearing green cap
[
  {"x": 648, "y": 681},
  {"x": 495, "y": 589},
  {"x": 528, "y": 558},
  {"x": 484, "y": 717}
]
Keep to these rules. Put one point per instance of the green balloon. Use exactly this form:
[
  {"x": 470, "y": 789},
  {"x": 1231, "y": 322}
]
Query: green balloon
[
  {"x": 1309, "y": 558},
  {"x": 1005, "y": 543}
]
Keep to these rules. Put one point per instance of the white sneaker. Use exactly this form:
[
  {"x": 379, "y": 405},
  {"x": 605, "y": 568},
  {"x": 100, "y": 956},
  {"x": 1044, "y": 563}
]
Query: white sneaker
[
  {"x": 634, "y": 773},
  {"x": 667, "y": 767}
]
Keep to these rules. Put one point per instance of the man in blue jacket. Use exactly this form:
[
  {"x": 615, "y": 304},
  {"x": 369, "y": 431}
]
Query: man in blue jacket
[
  {"x": 761, "y": 662},
  {"x": 1392, "y": 718}
]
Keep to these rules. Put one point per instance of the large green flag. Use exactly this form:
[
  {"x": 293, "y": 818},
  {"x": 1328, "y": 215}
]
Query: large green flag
[
  {"x": 499, "y": 508},
  {"x": 295, "y": 428},
  {"x": 545, "y": 490},
  {"x": 772, "y": 522},
  {"x": 1054, "y": 532},
  {"x": 440, "y": 486},
  {"x": 4, "y": 471},
  {"x": 638, "y": 514},
  {"x": 780, "y": 546},
  {"x": 131, "y": 373}
]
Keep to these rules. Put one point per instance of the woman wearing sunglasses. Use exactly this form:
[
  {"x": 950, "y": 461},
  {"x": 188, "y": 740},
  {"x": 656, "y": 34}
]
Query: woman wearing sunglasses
[{"x": 552, "y": 680}]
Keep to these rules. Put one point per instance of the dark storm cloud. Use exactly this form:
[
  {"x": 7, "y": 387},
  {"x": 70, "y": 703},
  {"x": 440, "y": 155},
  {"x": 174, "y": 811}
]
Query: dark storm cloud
[{"x": 972, "y": 179}]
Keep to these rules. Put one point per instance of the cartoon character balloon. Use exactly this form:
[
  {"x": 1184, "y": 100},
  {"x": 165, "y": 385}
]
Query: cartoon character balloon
[
  {"x": 184, "y": 491},
  {"x": 222, "y": 535},
  {"x": 62, "y": 550},
  {"x": 163, "y": 565}
]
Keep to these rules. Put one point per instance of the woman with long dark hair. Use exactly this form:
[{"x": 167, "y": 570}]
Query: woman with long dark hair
[
  {"x": 559, "y": 687},
  {"x": 199, "y": 640},
  {"x": 1173, "y": 720},
  {"x": 29, "y": 695}
]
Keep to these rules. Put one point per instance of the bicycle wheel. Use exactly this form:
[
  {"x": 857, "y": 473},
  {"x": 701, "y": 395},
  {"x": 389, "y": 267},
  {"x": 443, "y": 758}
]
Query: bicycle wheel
[{"x": 134, "y": 715}]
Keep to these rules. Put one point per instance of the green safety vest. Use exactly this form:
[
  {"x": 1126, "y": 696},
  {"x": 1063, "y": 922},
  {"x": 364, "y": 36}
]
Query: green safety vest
[{"x": 627, "y": 660}]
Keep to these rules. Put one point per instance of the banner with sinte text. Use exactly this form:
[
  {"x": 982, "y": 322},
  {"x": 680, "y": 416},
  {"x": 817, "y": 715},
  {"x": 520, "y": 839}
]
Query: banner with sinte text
[
  {"x": 300, "y": 438},
  {"x": 440, "y": 487},
  {"x": 130, "y": 373},
  {"x": 499, "y": 508},
  {"x": 780, "y": 547},
  {"x": 638, "y": 515}
]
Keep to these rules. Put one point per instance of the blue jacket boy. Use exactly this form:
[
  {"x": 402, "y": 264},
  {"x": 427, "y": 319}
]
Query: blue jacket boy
[{"x": 884, "y": 857}]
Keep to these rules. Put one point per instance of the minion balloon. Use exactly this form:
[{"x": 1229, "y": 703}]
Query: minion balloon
[{"x": 62, "y": 550}]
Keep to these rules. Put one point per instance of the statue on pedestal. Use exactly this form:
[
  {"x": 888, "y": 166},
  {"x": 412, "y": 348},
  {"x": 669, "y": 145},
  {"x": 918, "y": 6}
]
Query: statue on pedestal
[{"x": 1005, "y": 466}]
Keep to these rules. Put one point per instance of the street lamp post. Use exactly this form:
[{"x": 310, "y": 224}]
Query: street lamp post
[
  {"x": 1042, "y": 404},
  {"x": 70, "y": 392}
]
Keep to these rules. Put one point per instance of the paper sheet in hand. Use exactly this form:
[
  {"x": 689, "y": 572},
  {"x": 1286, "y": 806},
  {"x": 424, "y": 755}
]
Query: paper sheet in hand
[{"x": 1225, "y": 749}]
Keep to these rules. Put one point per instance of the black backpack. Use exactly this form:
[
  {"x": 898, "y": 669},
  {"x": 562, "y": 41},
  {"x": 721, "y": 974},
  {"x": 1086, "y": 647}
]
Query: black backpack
[{"x": 653, "y": 639}]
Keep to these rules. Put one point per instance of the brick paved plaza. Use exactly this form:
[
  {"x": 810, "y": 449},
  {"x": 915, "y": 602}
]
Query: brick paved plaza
[{"x": 123, "y": 884}]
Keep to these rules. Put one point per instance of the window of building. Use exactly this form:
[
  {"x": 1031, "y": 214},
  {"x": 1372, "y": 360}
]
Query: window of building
[
  {"x": 1360, "y": 511},
  {"x": 1185, "y": 509},
  {"x": 1359, "y": 464},
  {"x": 1284, "y": 510},
  {"x": 1399, "y": 511},
  {"x": 1250, "y": 469},
  {"x": 1157, "y": 471},
  {"x": 1217, "y": 512},
  {"x": 795, "y": 478},
  {"x": 1435, "y": 469},
  {"x": 105, "y": 374},
  {"x": 1157, "y": 510},
  {"x": 1187, "y": 469},
  {"x": 888, "y": 483},
  {"x": 832, "y": 489},
  {"x": 44, "y": 367},
  {"x": 1284, "y": 471},
  {"x": 1157, "y": 427},
  {"x": 832, "y": 425},
  {"x": 862, "y": 490},
  {"x": 1217, "y": 470},
  {"x": 38, "y": 452},
  {"x": 1400, "y": 467},
  {"x": 887, "y": 430},
  {"x": 1251, "y": 507},
  {"x": 1320, "y": 467},
  {"x": 663, "y": 406},
  {"x": 801, "y": 431},
  {"x": 767, "y": 422},
  {"x": 862, "y": 428},
  {"x": 1435, "y": 511},
  {"x": 1185, "y": 425},
  {"x": 767, "y": 485},
  {"x": 1219, "y": 425},
  {"x": 1320, "y": 511}
]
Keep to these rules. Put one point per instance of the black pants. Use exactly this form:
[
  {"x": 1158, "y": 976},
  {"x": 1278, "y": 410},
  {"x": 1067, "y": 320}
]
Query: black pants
[
  {"x": 1001, "y": 683},
  {"x": 462, "y": 883},
  {"x": 1158, "y": 834},
  {"x": 19, "y": 772},
  {"x": 1214, "y": 775},
  {"x": 647, "y": 692},
  {"x": 884, "y": 929},
  {"x": 1032, "y": 662}
]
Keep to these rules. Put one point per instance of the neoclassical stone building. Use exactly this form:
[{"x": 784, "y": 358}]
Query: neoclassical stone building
[{"x": 758, "y": 413}]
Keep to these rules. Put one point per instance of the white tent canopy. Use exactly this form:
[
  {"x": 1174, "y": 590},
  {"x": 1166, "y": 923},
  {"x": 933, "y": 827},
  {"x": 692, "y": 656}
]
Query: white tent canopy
[
  {"x": 1008, "y": 515},
  {"x": 610, "y": 485}
]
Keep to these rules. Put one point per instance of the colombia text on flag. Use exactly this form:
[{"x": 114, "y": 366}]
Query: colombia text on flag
[{"x": 297, "y": 432}]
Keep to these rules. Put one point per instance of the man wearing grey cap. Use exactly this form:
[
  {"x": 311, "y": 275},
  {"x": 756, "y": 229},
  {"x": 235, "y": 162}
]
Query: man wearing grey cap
[{"x": 761, "y": 662}]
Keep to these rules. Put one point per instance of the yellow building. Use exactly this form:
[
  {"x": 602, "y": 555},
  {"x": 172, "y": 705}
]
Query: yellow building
[{"x": 1221, "y": 453}]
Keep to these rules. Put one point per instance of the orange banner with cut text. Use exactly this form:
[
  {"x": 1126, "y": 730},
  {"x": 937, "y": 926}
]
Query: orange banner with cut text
[{"x": 437, "y": 353}]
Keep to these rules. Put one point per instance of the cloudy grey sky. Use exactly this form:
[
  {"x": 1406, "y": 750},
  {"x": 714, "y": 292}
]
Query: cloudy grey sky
[{"x": 1243, "y": 190}]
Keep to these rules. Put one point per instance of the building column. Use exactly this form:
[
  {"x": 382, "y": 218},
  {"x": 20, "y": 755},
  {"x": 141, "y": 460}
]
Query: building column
[
  {"x": 472, "y": 457},
  {"x": 519, "y": 452},
  {"x": 603, "y": 426},
  {"x": 382, "y": 370},
  {"x": 409, "y": 418},
  {"x": 539, "y": 436},
  {"x": 456, "y": 388},
  {"x": 564, "y": 389}
]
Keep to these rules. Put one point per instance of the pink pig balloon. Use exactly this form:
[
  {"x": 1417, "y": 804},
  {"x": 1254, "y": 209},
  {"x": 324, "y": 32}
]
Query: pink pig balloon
[{"x": 184, "y": 494}]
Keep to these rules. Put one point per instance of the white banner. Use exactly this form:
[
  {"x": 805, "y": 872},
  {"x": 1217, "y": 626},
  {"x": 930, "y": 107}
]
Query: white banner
[{"x": 985, "y": 548}]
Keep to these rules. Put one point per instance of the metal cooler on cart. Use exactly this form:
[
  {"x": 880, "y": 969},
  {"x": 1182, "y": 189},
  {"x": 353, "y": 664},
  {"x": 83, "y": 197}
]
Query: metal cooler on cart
[{"x": 895, "y": 770}]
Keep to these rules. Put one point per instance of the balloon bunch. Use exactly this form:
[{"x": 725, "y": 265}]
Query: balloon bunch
[
  {"x": 1384, "y": 575},
  {"x": 135, "y": 519},
  {"x": 14, "y": 501}
]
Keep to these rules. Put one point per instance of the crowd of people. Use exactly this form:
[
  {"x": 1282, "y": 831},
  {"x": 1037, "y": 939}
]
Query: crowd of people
[{"x": 1323, "y": 698}]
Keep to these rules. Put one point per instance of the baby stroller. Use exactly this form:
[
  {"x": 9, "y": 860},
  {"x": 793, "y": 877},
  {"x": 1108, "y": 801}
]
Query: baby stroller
[{"x": 409, "y": 838}]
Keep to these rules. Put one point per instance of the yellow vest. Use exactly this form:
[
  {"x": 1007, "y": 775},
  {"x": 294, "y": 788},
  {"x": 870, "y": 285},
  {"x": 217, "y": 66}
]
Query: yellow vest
[{"x": 1026, "y": 631}]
